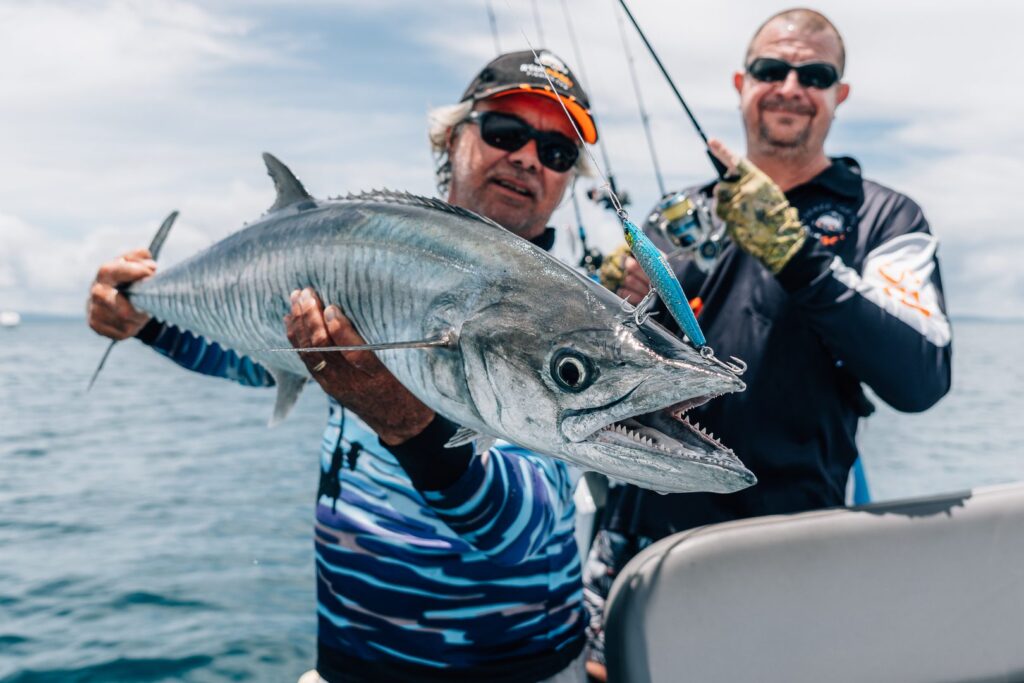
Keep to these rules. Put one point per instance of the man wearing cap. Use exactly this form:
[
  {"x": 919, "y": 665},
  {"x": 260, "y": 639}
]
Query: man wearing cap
[
  {"x": 828, "y": 281},
  {"x": 433, "y": 563}
]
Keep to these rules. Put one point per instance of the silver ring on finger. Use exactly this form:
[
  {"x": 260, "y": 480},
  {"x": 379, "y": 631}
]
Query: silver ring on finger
[{"x": 319, "y": 366}]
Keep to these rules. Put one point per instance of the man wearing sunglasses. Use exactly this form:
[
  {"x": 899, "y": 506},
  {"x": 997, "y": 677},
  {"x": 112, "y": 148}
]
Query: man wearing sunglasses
[
  {"x": 828, "y": 281},
  {"x": 433, "y": 563}
]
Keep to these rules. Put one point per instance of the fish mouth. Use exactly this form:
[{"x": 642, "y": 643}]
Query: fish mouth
[
  {"x": 665, "y": 450},
  {"x": 668, "y": 430}
]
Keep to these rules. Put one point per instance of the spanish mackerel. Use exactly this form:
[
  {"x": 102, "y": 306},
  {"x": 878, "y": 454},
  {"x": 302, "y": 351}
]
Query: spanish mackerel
[{"x": 513, "y": 344}]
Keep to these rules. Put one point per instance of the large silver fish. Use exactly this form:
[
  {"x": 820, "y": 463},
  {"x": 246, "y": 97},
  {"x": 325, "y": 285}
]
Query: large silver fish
[{"x": 514, "y": 344}]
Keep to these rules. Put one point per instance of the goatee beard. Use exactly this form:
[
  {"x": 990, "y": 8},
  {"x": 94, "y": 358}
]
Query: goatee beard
[{"x": 791, "y": 147}]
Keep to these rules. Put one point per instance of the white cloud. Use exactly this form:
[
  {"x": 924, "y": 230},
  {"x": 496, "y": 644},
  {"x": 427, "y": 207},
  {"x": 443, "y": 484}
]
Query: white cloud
[
  {"x": 64, "y": 52},
  {"x": 117, "y": 111}
]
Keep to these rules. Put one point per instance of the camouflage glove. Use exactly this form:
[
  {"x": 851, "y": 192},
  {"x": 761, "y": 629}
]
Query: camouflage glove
[
  {"x": 758, "y": 217},
  {"x": 613, "y": 268}
]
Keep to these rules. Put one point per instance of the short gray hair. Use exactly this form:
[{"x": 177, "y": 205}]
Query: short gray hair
[
  {"x": 804, "y": 19},
  {"x": 442, "y": 121}
]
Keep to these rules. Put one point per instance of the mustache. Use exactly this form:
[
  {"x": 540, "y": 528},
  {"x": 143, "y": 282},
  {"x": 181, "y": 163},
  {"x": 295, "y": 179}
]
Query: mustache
[
  {"x": 781, "y": 104},
  {"x": 517, "y": 175}
]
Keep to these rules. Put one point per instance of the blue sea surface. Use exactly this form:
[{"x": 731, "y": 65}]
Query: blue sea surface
[{"x": 154, "y": 529}]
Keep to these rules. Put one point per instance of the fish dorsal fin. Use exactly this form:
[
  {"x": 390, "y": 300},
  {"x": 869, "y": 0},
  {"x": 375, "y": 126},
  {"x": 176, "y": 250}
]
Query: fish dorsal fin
[{"x": 289, "y": 189}]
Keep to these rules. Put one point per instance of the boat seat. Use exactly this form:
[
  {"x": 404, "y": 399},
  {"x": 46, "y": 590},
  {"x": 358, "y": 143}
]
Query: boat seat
[{"x": 930, "y": 589}]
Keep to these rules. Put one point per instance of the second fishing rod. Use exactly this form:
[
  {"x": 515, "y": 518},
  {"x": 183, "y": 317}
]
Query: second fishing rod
[{"x": 719, "y": 166}]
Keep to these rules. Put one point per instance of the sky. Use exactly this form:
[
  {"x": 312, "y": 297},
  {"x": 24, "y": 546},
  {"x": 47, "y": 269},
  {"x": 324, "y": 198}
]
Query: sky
[{"x": 116, "y": 112}]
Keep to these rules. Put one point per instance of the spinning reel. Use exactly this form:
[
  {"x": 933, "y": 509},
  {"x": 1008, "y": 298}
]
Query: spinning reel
[{"x": 685, "y": 222}]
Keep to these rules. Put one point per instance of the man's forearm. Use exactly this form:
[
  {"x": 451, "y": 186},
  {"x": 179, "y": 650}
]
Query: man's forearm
[
  {"x": 200, "y": 355},
  {"x": 895, "y": 341},
  {"x": 431, "y": 466}
]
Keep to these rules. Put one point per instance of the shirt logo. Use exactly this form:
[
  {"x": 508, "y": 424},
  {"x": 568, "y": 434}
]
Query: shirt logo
[{"x": 829, "y": 223}]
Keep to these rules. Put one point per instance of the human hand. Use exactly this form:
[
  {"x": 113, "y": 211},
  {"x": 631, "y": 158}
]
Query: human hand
[
  {"x": 622, "y": 274},
  {"x": 756, "y": 212},
  {"x": 596, "y": 671},
  {"x": 357, "y": 379},
  {"x": 108, "y": 311}
]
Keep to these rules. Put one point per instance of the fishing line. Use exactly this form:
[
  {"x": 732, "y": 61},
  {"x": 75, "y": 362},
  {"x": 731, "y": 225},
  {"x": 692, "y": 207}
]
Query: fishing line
[
  {"x": 602, "y": 146},
  {"x": 572, "y": 122},
  {"x": 664, "y": 282},
  {"x": 586, "y": 80},
  {"x": 591, "y": 259}
]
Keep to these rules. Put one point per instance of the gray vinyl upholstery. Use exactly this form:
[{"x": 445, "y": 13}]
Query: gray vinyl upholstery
[{"x": 921, "y": 590}]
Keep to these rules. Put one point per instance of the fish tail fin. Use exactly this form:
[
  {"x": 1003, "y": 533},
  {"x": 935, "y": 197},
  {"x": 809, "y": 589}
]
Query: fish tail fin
[{"x": 155, "y": 245}]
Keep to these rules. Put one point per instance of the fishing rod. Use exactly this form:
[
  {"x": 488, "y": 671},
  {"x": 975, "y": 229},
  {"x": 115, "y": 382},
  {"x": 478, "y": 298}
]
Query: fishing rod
[
  {"x": 590, "y": 258},
  {"x": 494, "y": 27},
  {"x": 719, "y": 166},
  {"x": 645, "y": 119},
  {"x": 536, "y": 20}
]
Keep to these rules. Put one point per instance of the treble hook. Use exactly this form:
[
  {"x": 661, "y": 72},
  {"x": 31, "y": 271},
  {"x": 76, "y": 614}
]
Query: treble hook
[
  {"x": 640, "y": 312},
  {"x": 737, "y": 367}
]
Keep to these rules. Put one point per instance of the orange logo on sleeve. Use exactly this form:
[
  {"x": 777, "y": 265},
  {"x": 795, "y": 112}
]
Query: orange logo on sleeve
[{"x": 904, "y": 288}]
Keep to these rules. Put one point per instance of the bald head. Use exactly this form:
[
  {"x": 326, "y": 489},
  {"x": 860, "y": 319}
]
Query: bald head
[{"x": 801, "y": 22}]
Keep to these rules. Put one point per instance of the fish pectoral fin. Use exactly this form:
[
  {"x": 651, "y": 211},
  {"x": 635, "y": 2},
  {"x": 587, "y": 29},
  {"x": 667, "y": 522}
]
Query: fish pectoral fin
[
  {"x": 462, "y": 437},
  {"x": 465, "y": 435},
  {"x": 289, "y": 387}
]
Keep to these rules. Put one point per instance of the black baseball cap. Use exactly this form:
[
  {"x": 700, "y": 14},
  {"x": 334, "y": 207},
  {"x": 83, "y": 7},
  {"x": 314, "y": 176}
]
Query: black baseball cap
[{"x": 522, "y": 72}]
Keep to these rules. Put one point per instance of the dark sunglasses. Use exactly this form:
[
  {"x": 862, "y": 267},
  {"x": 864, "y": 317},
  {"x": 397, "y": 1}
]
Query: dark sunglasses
[
  {"x": 508, "y": 132},
  {"x": 811, "y": 75}
]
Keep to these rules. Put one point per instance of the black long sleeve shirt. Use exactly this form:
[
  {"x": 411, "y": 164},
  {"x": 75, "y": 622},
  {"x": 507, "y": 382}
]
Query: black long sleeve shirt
[{"x": 861, "y": 302}]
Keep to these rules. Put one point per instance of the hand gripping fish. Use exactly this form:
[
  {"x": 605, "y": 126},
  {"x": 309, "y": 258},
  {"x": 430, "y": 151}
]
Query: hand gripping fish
[{"x": 479, "y": 324}]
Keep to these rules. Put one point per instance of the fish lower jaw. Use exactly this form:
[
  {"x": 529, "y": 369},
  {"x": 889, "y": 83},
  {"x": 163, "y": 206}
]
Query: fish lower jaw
[
  {"x": 649, "y": 430},
  {"x": 631, "y": 432}
]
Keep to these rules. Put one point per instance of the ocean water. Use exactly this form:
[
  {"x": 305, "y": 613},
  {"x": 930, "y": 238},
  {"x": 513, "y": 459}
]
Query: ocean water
[{"x": 155, "y": 530}]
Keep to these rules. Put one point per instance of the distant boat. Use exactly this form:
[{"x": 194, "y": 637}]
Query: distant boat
[{"x": 9, "y": 319}]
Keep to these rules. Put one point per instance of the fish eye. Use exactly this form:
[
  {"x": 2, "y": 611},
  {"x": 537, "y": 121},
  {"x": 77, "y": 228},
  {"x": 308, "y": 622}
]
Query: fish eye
[{"x": 572, "y": 371}]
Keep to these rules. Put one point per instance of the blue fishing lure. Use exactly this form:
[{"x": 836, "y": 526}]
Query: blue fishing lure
[{"x": 664, "y": 281}]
